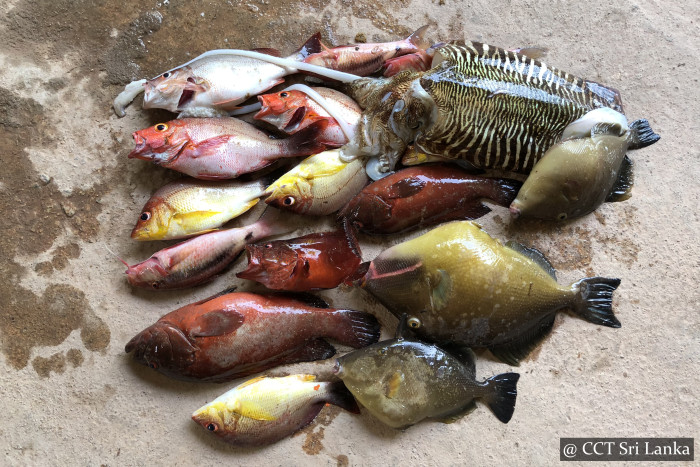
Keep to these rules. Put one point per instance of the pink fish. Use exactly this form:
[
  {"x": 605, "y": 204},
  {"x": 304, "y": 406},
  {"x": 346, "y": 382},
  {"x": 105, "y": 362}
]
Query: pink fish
[
  {"x": 365, "y": 59},
  {"x": 220, "y": 148},
  {"x": 200, "y": 259}
]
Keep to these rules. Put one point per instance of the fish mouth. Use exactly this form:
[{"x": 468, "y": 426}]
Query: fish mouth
[
  {"x": 140, "y": 149},
  {"x": 264, "y": 108},
  {"x": 514, "y": 211},
  {"x": 337, "y": 368}
]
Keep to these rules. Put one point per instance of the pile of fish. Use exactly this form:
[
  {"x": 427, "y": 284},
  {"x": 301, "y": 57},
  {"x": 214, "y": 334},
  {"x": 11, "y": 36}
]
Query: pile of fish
[{"x": 429, "y": 124}]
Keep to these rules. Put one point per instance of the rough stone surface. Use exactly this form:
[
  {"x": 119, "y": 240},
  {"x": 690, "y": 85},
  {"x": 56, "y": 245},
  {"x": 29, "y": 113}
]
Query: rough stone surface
[{"x": 70, "y": 395}]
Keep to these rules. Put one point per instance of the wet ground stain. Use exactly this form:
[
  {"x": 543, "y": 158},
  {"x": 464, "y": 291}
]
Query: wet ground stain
[
  {"x": 57, "y": 362},
  {"x": 34, "y": 213},
  {"x": 343, "y": 461},
  {"x": 316, "y": 431}
]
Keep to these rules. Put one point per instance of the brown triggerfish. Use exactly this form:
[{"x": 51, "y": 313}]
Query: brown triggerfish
[
  {"x": 315, "y": 261},
  {"x": 264, "y": 410},
  {"x": 458, "y": 284},
  {"x": 425, "y": 195},
  {"x": 238, "y": 334},
  {"x": 403, "y": 381}
]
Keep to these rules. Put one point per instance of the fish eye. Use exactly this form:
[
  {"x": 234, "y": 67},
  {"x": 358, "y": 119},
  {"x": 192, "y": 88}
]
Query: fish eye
[
  {"x": 166, "y": 74},
  {"x": 398, "y": 49},
  {"x": 284, "y": 94},
  {"x": 269, "y": 245},
  {"x": 153, "y": 365},
  {"x": 289, "y": 201},
  {"x": 562, "y": 216},
  {"x": 415, "y": 127},
  {"x": 145, "y": 215},
  {"x": 212, "y": 427},
  {"x": 155, "y": 285},
  {"x": 414, "y": 323},
  {"x": 382, "y": 351},
  {"x": 357, "y": 47},
  {"x": 161, "y": 127}
]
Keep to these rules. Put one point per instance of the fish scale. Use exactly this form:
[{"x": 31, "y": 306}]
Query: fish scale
[{"x": 497, "y": 108}]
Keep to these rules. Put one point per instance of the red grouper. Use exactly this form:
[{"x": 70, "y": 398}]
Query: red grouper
[
  {"x": 316, "y": 261},
  {"x": 238, "y": 334},
  {"x": 425, "y": 195}
]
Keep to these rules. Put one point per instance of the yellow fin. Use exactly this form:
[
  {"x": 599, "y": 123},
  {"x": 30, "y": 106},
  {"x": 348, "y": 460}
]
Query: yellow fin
[
  {"x": 394, "y": 384},
  {"x": 194, "y": 218},
  {"x": 248, "y": 409},
  {"x": 251, "y": 381}
]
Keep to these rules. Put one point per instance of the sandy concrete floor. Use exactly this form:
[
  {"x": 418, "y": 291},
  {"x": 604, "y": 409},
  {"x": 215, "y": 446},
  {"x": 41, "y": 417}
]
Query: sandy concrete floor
[{"x": 70, "y": 396}]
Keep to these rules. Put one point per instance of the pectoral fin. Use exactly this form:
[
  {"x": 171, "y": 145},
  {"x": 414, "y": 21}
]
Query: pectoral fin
[
  {"x": 250, "y": 409},
  {"x": 216, "y": 323},
  {"x": 194, "y": 217},
  {"x": 393, "y": 383},
  {"x": 441, "y": 290},
  {"x": 210, "y": 146},
  {"x": 622, "y": 188},
  {"x": 405, "y": 188}
]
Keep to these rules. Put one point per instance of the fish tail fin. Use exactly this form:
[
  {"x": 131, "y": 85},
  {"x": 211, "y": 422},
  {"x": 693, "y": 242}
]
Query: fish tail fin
[
  {"x": 594, "y": 300},
  {"x": 642, "y": 134},
  {"x": 306, "y": 142},
  {"x": 418, "y": 38},
  {"x": 274, "y": 222},
  {"x": 501, "y": 395},
  {"x": 342, "y": 397},
  {"x": 356, "y": 328},
  {"x": 313, "y": 45},
  {"x": 506, "y": 191}
]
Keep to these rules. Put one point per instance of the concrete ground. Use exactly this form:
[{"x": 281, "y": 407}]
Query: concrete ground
[{"x": 70, "y": 396}]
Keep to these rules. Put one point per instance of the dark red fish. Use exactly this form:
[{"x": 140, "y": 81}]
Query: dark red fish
[
  {"x": 315, "y": 261},
  {"x": 237, "y": 334},
  {"x": 425, "y": 195}
]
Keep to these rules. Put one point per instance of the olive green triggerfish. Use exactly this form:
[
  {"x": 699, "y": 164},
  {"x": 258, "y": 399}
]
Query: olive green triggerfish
[
  {"x": 403, "y": 381},
  {"x": 576, "y": 176},
  {"x": 458, "y": 284}
]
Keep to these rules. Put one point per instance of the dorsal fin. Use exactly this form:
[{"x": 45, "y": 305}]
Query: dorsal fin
[
  {"x": 216, "y": 295},
  {"x": 622, "y": 188},
  {"x": 535, "y": 255},
  {"x": 520, "y": 347},
  {"x": 464, "y": 354}
]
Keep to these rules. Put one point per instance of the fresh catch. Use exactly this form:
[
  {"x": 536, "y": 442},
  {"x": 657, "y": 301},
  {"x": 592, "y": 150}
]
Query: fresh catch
[
  {"x": 576, "y": 176},
  {"x": 314, "y": 261},
  {"x": 189, "y": 207},
  {"x": 237, "y": 334},
  {"x": 417, "y": 61},
  {"x": 366, "y": 59},
  {"x": 458, "y": 284},
  {"x": 220, "y": 148},
  {"x": 292, "y": 111},
  {"x": 492, "y": 107},
  {"x": 403, "y": 381},
  {"x": 212, "y": 84},
  {"x": 264, "y": 410},
  {"x": 319, "y": 185},
  {"x": 202, "y": 258},
  {"x": 423, "y": 196}
]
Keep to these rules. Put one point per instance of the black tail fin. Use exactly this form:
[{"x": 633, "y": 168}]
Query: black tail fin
[
  {"x": 356, "y": 328},
  {"x": 342, "y": 397},
  {"x": 594, "y": 302},
  {"x": 507, "y": 191},
  {"x": 501, "y": 395},
  {"x": 305, "y": 142},
  {"x": 642, "y": 134}
]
